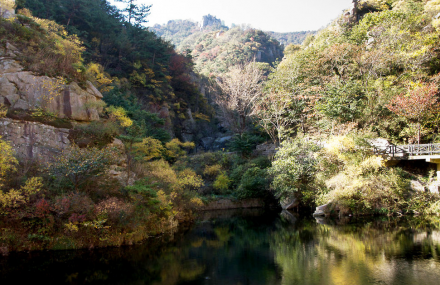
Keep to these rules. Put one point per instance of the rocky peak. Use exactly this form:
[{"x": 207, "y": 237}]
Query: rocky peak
[
  {"x": 210, "y": 21},
  {"x": 352, "y": 16}
]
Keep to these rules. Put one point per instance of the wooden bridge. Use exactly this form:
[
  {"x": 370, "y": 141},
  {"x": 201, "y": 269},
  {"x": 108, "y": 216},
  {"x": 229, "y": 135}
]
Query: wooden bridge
[
  {"x": 408, "y": 152},
  {"x": 428, "y": 152}
]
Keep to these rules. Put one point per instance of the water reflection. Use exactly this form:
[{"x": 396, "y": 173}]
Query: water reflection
[{"x": 252, "y": 247}]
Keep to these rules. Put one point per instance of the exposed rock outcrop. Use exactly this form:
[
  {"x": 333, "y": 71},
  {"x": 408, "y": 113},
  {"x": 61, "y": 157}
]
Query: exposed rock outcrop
[
  {"x": 322, "y": 211},
  {"x": 210, "y": 21},
  {"x": 24, "y": 90},
  {"x": 6, "y": 9},
  {"x": 289, "y": 203},
  {"x": 189, "y": 127},
  {"x": 33, "y": 140}
]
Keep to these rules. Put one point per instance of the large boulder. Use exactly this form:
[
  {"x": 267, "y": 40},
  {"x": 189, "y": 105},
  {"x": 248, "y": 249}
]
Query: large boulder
[
  {"x": 26, "y": 91},
  {"x": 289, "y": 203},
  {"x": 322, "y": 211},
  {"x": 6, "y": 9},
  {"x": 34, "y": 141}
]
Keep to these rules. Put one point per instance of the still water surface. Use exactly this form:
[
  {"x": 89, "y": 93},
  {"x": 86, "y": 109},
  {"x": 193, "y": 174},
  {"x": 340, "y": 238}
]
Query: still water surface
[{"x": 251, "y": 247}]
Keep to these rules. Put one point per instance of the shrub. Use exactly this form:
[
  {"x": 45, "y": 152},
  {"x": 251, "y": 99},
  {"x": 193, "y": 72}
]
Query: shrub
[
  {"x": 148, "y": 149},
  {"x": 212, "y": 171},
  {"x": 221, "y": 183},
  {"x": 254, "y": 183},
  {"x": 95, "y": 134},
  {"x": 244, "y": 144},
  {"x": 7, "y": 160},
  {"x": 79, "y": 164},
  {"x": 45, "y": 46},
  {"x": 294, "y": 169},
  {"x": 116, "y": 210},
  {"x": 176, "y": 149}
]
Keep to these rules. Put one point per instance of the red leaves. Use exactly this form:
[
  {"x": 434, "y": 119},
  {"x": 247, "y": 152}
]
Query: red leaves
[
  {"x": 417, "y": 103},
  {"x": 42, "y": 208}
]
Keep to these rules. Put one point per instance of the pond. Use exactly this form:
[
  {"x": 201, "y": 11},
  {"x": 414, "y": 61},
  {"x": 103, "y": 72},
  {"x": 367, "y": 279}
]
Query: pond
[{"x": 251, "y": 247}]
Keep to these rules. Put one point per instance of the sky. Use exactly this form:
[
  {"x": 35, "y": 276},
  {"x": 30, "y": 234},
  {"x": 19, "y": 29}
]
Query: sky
[{"x": 272, "y": 15}]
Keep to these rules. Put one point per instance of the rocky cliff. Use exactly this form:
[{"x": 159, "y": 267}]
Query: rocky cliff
[
  {"x": 24, "y": 91},
  {"x": 34, "y": 141},
  {"x": 210, "y": 21}
]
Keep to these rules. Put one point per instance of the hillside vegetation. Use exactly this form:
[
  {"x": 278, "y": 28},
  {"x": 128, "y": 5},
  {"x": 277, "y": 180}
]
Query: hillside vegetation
[
  {"x": 350, "y": 83},
  {"x": 215, "y": 48}
]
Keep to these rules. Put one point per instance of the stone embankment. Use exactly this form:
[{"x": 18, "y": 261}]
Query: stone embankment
[{"x": 225, "y": 204}]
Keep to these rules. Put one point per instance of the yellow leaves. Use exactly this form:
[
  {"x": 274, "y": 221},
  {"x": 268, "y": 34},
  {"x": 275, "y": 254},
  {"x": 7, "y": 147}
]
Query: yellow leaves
[
  {"x": 32, "y": 186},
  {"x": 432, "y": 7},
  {"x": 436, "y": 24},
  {"x": 71, "y": 228},
  {"x": 8, "y": 4},
  {"x": 196, "y": 202},
  {"x": 15, "y": 198},
  {"x": 149, "y": 148},
  {"x": 187, "y": 180},
  {"x": 340, "y": 144},
  {"x": 119, "y": 114},
  {"x": 174, "y": 148},
  {"x": 95, "y": 73},
  {"x": 7, "y": 159},
  {"x": 371, "y": 165},
  {"x": 3, "y": 110}
]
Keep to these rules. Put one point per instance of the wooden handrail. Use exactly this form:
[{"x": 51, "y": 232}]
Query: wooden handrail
[{"x": 406, "y": 150}]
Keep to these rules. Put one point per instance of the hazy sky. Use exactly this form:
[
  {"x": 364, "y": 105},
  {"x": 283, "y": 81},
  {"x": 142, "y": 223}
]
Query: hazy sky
[{"x": 269, "y": 15}]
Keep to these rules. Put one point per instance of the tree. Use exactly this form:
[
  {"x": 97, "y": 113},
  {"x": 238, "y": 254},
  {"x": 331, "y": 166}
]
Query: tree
[
  {"x": 294, "y": 170},
  {"x": 272, "y": 111},
  {"x": 416, "y": 105},
  {"x": 240, "y": 87},
  {"x": 136, "y": 13},
  {"x": 7, "y": 160},
  {"x": 80, "y": 164}
]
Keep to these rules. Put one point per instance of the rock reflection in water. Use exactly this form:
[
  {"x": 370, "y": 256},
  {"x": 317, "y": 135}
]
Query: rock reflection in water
[{"x": 252, "y": 247}]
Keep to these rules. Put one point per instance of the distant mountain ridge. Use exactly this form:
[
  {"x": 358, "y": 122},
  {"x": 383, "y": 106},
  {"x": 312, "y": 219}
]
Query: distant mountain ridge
[
  {"x": 176, "y": 31},
  {"x": 215, "y": 47}
]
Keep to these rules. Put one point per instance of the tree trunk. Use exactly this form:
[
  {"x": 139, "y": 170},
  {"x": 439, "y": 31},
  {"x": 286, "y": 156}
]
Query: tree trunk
[{"x": 418, "y": 135}]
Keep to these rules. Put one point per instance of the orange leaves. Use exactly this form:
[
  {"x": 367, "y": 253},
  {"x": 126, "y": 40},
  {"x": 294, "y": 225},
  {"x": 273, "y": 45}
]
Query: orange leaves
[{"x": 417, "y": 103}]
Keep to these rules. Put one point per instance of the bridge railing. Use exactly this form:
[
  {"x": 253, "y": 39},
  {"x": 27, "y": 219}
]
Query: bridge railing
[{"x": 408, "y": 150}]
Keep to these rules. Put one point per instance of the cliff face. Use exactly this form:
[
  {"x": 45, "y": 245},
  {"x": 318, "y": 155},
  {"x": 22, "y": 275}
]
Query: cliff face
[
  {"x": 34, "y": 141},
  {"x": 24, "y": 91},
  {"x": 210, "y": 21}
]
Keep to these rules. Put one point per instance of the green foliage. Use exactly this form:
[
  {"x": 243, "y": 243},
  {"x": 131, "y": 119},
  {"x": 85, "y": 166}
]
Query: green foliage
[
  {"x": 342, "y": 101},
  {"x": 244, "y": 144},
  {"x": 222, "y": 183},
  {"x": 294, "y": 169},
  {"x": 254, "y": 183},
  {"x": 95, "y": 134},
  {"x": 215, "y": 51},
  {"x": 80, "y": 164},
  {"x": 176, "y": 149},
  {"x": 45, "y": 46}
]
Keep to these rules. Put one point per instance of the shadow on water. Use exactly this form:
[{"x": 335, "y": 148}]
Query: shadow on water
[{"x": 252, "y": 246}]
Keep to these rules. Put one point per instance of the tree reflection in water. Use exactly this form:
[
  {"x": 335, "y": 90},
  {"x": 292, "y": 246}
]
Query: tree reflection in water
[{"x": 252, "y": 247}]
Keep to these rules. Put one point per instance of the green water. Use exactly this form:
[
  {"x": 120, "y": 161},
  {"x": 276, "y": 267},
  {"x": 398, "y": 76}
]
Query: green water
[{"x": 251, "y": 247}]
